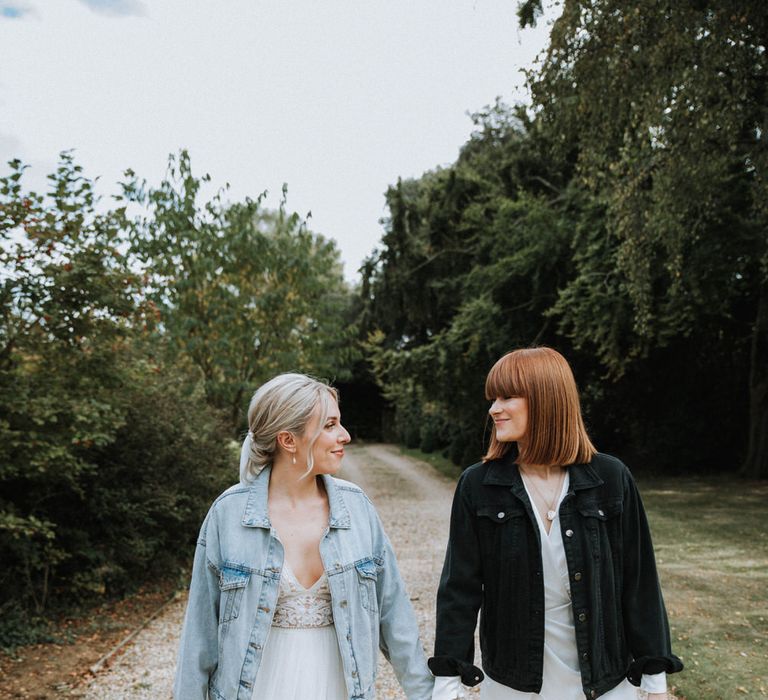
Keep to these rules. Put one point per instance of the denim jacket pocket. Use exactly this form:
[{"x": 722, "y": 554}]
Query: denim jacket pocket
[
  {"x": 601, "y": 520},
  {"x": 501, "y": 525},
  {"x": 367, "y": 575},
  {"x": 601, "y": 511},
  {"x": 232, "y": 583}
]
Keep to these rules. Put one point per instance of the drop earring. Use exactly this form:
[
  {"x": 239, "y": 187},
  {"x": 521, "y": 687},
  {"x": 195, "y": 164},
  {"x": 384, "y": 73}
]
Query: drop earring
[{"x": 293, "y": 459}]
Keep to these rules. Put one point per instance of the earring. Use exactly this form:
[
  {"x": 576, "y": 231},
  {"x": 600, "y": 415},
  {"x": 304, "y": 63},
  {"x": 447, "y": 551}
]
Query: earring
[{"x": 293, "y": 458}]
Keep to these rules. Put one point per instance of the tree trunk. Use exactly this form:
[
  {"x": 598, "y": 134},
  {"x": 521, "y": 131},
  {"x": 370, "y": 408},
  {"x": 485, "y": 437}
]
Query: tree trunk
[
  {"x": 235, "y": 415},
  {"x": 756, "y": 463}
]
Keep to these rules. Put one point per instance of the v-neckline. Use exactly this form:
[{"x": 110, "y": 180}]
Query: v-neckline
[
  {"x": 304, "y": 588},
  {"x": 536, "y": 513}
]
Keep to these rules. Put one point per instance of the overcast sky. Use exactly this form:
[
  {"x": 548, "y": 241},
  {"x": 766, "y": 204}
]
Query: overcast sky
[{"x": 335, "y": 98}]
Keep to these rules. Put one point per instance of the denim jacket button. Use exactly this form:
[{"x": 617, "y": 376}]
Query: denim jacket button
[
  {"x": 577, "y": 576},
  {"x": 569, "y": 533},
  {"x": 354, "y": 674},
  {"x": 500, "y": 514},
  {"x": 582, "y": 617},
  {"x": 600, "y": 513}
]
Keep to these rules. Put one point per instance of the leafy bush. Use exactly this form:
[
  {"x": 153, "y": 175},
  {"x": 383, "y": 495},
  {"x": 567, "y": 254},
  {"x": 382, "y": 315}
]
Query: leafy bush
[{"x": 128, "y": 348}]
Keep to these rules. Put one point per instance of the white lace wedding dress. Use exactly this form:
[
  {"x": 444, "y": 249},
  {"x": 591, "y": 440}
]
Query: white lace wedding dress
[{"x": 301, "y": 658}]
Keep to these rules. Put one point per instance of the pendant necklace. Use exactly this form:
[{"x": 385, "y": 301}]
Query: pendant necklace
[{"x": 551, "y": 512}]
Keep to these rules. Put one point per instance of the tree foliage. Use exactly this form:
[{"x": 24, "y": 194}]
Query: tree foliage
[
  {"x": 504, "y": 249},
  {"x": 664, "y": 107},
  {"x": 621, "y": 218},
  {"x": 130, "y": 341},
  {"x": 241, "y": 292},
  {"x": 78, "y": 515}
]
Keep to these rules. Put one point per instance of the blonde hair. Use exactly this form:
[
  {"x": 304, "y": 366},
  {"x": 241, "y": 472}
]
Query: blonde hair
[
  {"x": 286, "y": 402},
  {"x": 556, "y": 433}
]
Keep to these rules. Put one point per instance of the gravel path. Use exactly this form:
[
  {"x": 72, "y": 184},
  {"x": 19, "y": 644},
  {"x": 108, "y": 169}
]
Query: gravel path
[{"x": 414, "y": 503}]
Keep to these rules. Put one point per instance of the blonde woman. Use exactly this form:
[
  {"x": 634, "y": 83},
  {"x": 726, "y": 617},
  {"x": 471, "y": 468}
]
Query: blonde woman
[
  {"x": 295, "y": 586},
  {"x": 550, "y": 543}
]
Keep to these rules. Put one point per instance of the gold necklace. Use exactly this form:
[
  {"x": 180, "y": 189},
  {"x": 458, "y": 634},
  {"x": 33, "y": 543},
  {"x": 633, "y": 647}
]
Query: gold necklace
[{"x": 551, "y": 512}]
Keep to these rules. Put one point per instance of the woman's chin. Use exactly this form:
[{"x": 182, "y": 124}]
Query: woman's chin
[
  {"x": 329, "y": 468},
  {"x": 506, "y": 438}
]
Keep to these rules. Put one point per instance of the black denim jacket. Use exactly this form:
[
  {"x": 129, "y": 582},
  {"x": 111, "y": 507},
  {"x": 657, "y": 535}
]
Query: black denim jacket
[{"x": 493, "y": 564}]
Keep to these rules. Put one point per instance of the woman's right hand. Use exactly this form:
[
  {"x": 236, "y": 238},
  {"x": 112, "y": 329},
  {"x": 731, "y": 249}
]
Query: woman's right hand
[{"x": 448, "y": 688}]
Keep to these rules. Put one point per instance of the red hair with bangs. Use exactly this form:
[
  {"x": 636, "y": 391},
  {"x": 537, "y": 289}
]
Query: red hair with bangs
[{"x": 556, "y": 433}]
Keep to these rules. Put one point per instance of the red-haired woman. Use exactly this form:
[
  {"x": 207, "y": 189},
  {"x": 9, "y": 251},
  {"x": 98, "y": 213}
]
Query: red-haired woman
[{"x": 550, "y": 542}]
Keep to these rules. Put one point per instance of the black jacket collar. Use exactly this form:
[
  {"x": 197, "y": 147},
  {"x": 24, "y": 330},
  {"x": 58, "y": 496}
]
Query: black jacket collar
[{"x": 505, "y": 472}]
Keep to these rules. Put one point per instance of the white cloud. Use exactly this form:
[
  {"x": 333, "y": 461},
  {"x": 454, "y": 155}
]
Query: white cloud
[
  {"x": 117, "y": 8},
  {"x": 15, "y": 9}
]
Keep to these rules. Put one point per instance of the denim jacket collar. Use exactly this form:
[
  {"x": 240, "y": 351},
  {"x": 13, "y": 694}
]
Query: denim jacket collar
[
  {"x": 256, "y": 512},
  {"x": 504, "y": 472}
]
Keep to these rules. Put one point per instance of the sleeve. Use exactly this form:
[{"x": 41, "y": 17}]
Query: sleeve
[
  {"x": 398, "y": 630},
  {"x": 198, "y": 649},
  {"x": 459, "y": 595},
  {"x": 645, "y": 616},
  {"x": 654, "y": 683},
  {"x": 448, "y": 688}
]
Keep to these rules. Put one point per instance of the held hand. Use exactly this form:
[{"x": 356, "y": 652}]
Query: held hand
[{"x": 657, "y": 696}]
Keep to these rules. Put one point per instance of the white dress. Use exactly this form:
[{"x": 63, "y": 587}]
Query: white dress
[
  {"x": 301, "y": 658},
  {"x": 562, "y": 679}
]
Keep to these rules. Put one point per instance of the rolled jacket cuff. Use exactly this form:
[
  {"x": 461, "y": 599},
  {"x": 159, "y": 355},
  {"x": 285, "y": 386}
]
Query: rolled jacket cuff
[
  {"x": 449, "y": 666},
  {"x": 651, "y": 665}
]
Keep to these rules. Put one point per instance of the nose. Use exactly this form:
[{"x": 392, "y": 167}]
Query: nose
[
  {"x": 494, "y": 407},
  {"x": 344, "y": 436}
]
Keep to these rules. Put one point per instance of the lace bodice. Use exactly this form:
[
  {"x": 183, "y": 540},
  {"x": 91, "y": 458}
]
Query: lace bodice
[{"x": 301, "y": 607}]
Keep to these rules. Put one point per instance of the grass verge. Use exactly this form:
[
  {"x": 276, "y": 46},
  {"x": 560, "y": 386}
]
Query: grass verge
[
  {"x": 440, "y": 463},
  {"x": 711, "y": 541}
]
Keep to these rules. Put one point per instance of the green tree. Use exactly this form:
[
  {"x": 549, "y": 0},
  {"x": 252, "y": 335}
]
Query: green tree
[
  {"x": 473, "y": 256},
  {"x": 108, "y": 457},
  {"x": 241, "y": 292},
  {"x": 662, "y": 108},
  {"x": 66, "y": 296}
]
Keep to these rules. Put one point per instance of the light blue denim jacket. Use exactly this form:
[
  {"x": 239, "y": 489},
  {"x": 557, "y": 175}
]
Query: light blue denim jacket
[{"x": 234, "y": 591}]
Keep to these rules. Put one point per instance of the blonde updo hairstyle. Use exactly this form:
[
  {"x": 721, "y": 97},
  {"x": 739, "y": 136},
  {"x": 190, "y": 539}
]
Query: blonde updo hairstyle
[{"x": 286, "y": 402}]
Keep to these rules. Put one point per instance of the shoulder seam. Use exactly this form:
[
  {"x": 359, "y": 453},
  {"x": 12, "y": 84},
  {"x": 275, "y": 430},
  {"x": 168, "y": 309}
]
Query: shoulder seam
[{"x": 235, "y": 492}]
